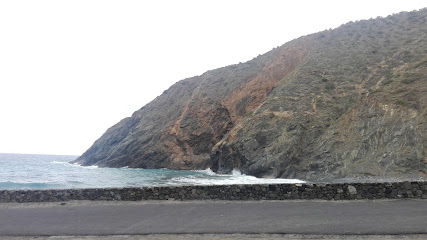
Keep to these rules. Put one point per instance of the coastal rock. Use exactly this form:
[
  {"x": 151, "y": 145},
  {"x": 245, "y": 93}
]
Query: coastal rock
[
  {"x": 352, "y": 190},
  {"x": 342, "y": 103}
]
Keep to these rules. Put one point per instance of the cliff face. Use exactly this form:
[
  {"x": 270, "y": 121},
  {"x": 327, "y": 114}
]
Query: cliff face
[{"x": 347, "y": 102}]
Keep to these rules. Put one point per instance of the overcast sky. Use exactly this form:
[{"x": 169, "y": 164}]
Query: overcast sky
[{"x": 71, "y": 69}]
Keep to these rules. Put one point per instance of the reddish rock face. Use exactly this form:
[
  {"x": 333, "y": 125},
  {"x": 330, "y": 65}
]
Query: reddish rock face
[
  {"x": 342, "y": 103},
  {"x": 250, "y": 95}
]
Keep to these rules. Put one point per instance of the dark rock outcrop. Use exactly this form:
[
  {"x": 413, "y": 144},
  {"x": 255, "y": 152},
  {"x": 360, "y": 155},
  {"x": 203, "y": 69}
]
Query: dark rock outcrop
[{"x": 347, "y": 102}]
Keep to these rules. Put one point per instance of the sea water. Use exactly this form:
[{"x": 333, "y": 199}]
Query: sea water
[{"x": 29, "y": 171}]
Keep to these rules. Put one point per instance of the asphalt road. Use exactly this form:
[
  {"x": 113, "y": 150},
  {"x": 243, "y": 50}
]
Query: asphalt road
[{"x": 214, "y": 217}]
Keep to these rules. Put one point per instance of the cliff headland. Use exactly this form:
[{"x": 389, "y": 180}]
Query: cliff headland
[{"x": 342, "y": 103}]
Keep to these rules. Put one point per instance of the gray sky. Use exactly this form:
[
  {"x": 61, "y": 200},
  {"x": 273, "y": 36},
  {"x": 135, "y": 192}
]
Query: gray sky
[{"x": 71, "y": 69}]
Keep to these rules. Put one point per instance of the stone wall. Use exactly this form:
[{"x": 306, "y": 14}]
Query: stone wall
[{"x": 332, "y": 191}]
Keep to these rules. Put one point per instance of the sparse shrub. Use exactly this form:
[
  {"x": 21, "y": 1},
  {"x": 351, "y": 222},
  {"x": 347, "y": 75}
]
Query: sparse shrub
[
  {"x": 387, "y": 82},
  {"x": 408, "y": 80},
  {"x": 401, "y": 103},
  {"x": 329, "y": 86},
  {"x": 422, "y": 63}
]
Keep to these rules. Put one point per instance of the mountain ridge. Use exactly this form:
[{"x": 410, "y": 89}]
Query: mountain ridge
[{"x": 347, "y": 102}]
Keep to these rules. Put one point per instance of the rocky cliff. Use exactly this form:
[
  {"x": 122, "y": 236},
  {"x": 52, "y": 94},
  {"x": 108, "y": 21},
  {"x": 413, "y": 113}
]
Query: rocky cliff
[{"x": 347, "y": 102}]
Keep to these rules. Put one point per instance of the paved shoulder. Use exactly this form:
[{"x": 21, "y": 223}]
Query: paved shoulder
[
  {"x": 215, "y": 217},
  {"x": 227, "y": 237}
]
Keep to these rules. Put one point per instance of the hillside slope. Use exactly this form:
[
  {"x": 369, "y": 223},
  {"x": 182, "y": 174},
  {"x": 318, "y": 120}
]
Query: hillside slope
[{"x": 347, "y": 102}]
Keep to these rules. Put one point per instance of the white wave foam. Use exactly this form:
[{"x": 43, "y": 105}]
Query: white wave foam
[
  {"x": 91, "y": 167},
  {"x": 207, "y": 171},
  {"x": 74, "y": 165},
  {"x": 236, "y": 177},
  {"x": 200, "y": 181},
  {"x": 59, "y": 162}
]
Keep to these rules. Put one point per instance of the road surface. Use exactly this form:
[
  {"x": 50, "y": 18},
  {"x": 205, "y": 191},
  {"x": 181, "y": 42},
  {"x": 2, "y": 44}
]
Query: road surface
[{"x": 85, "y": 218}]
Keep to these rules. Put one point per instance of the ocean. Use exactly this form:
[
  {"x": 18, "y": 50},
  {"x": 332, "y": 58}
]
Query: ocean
[{"x": 31, "y": 171}]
